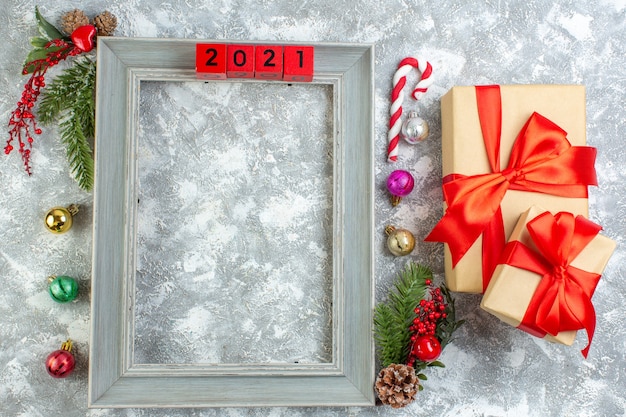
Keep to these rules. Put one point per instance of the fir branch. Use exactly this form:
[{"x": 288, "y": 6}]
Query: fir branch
[
  {"x": 69, "y": 98},
  {"x": 393, "y": 318},
  {"x": 79, "y": 152}
]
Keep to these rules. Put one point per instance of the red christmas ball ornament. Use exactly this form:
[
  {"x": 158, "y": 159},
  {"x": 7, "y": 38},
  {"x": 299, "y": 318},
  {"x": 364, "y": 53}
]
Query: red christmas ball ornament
[
  {"x": 426, "y": 348},
  {"x": 84, "y": 37},
  {"x": 61, "y": 363}
]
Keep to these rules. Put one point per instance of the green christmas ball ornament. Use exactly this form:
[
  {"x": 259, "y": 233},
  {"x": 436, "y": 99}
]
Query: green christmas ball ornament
[{"x": 63, "y": 289}]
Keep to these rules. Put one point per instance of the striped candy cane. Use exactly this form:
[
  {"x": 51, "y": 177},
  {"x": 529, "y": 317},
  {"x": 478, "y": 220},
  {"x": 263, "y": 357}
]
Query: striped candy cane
[{"x": 397, "y": 97}]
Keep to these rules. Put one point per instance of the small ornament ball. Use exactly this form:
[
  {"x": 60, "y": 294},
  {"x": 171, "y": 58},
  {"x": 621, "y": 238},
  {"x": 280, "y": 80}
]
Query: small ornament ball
[
  {"x": 414, "y": 129},
  {"x": 59, "y": 219},
  {"x": 61, "y": 363},
  {"x": 63, "y": 289},
  {"x": 400, "y": 183},
  {"x": 400, "y": 242},
  {"x": 427, "y": 348}
]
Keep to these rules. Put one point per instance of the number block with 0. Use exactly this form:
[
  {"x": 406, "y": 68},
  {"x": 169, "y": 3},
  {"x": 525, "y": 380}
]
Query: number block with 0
[{"x": 240, "y": 61}]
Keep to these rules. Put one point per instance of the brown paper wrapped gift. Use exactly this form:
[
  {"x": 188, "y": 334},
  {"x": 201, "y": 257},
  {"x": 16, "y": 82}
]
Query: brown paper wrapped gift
[
  {"x": 512, "y": 288},
  {"x": 464, "y": 154}
]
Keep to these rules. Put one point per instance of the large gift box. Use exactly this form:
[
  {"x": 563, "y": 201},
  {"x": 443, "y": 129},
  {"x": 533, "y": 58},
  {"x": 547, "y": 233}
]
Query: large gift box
[
  {"x": 547, "y": 275},
  {"x": 504, "y": 149}
]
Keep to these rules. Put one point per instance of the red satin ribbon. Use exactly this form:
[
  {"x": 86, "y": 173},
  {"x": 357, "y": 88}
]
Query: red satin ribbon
[
  {"x": 562, "y": 301},
  {"x": 542, "y": 160}
]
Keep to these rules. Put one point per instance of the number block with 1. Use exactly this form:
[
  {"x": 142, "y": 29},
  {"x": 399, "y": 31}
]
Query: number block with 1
[{"x": 298, "y": 63}]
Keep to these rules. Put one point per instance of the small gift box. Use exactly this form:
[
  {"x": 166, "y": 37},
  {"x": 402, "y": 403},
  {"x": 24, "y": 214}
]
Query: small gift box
[
  {"x": 547, "y": 275},
  {"x": 504, "y": 149}
]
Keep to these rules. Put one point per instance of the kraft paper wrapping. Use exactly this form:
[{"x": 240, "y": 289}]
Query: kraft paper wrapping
[
  {"x": 463, "y": 152},
  {"x": 511, "y": 289}
]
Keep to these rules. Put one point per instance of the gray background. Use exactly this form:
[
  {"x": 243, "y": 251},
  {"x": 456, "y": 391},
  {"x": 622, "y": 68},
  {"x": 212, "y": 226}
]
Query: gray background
[
  {"x": 492, "y": 370},
  {"x": 234, "y": 223}
]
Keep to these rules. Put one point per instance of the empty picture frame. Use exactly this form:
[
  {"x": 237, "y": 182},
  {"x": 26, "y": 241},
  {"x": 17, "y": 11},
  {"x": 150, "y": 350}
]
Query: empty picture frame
[{"x": 114, "y": 380}]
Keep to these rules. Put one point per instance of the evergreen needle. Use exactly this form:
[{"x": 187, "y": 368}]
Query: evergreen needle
[
  {"x": 69, "y": 99},
  {"x": 393, "y": 318}
]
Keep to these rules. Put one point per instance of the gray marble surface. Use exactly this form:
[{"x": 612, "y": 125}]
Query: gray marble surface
[
  {"x": 492, "y": 370},
  {"x": 234, "y": 223}
]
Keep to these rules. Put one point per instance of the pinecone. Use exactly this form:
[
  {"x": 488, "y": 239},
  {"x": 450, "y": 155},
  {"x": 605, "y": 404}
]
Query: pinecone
[
  {"x": 71, "y": 21},
  {"x": 106, "y": 23},
  {"x": 397, "y": 385}
]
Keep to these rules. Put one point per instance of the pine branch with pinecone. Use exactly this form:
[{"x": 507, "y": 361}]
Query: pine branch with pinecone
[
  {"x": 69, "y": 99},
  {"x": 410, "y": 332}
]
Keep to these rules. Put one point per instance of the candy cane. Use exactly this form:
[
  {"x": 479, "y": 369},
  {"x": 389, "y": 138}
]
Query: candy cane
[{"x": 397, "y": 97}]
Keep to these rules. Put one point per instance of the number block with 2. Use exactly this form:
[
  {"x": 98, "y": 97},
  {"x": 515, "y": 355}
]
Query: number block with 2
[
  {"x": 298, "y": 63},
  {"x": 268, "y": 62},
  {"x": 211, "y": 61}
]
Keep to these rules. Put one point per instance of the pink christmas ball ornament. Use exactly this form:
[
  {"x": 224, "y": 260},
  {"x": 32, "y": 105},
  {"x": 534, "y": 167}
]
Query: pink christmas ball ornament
[{"x": 400, "y": 183}]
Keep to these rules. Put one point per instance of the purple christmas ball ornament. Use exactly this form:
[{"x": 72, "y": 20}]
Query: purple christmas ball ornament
[{"x": 400, "y": 184}]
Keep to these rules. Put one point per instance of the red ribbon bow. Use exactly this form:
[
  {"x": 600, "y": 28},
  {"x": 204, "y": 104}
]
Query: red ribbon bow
[
  {"x": 542, "y": 160},
  {"x": 562, "y": 301}
]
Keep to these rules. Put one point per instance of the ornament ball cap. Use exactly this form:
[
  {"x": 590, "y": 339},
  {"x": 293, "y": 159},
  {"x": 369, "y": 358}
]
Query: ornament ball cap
[{"x": 67, "y": 345}]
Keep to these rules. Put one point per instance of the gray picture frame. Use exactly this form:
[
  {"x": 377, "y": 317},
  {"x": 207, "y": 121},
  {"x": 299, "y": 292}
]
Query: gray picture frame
[{"x": 114, "y": 380}]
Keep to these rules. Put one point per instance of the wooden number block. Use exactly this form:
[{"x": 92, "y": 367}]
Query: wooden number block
[
  {"x": 298, "y": 63},
  {"x": 240, "y": 61},
  {"x": 268, "y": 62},
  {"x": 211, "y": 61}
]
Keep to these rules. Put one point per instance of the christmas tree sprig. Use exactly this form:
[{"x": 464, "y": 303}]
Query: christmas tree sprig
[
  {"x": 72, "y": 98},
  {"x": 393, "y": 318},
  {"x": 411, "y": 328},
  {"x": 69, "y": 100}
]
